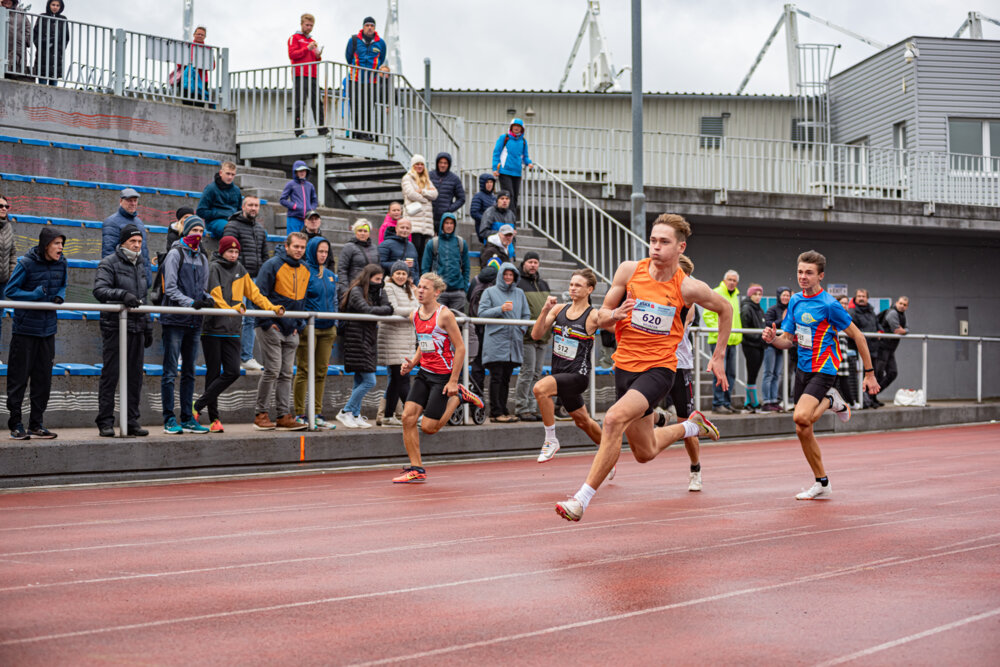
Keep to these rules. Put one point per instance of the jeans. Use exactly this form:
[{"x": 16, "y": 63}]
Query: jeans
[
  {"x": 30, "y": 360},
  {"x": 178, "y": 341},
  {"x": 216, "y": 227},
  {"x": 769, "y": 390},
  {"x": 512, "y": 184},
  {"x": 249, "y": 334},
  {"x": 109, "y": 377},
  {"x": 278, "y": 352},
  {"x": 531, "y": 372},
  {"x": 293, "y": 225},
  {"x": 454, "y": 299},
  {"x": 363, "y": 383},
  {"x": 719, "y": 397}
]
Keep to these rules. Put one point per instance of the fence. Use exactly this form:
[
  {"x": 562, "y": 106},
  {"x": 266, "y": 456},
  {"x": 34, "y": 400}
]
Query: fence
[
  {"x": 601, "y": 155},
  {"x": 352, "y": 102},
  {"x": 97, "y": 58}
]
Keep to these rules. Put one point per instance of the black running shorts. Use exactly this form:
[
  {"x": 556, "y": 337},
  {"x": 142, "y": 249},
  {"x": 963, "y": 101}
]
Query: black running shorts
[
  {"x": 570, "y": 388},
  {"x": 427, "y": 390},
  {"x": 653, "y": 384},
  {"x": 681, "y": 394},
  {"x": 813, "y": 384}
]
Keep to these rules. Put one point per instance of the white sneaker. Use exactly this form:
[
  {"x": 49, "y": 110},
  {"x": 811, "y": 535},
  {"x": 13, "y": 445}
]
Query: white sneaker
[
  {"x": 694, "y": 481},
  {"x": 611, "y": 475},
  {"x": 549, "y": 449},
  {"x": 571, "y": 509},
  {"x": 322, "y": 423},
  {"x": 839, "y": 405},
  {"x": 362, "y": 422},
  {"x": 391, "y": 421},
  {"x": 347, "y": 419},
  {"x": 816, "y": 492},
  {"x": 706, "y": 427},
  {"x": 251, "y": 366}
]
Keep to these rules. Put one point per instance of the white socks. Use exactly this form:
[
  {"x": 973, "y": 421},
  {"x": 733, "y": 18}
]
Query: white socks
[
  {"x": 691, "y": 429},
  {"x": 585, "y": 494},
  {"x": 550, "y": 433}
]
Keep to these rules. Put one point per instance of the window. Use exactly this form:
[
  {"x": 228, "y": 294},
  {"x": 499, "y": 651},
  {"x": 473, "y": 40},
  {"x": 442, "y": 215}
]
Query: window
[
  {"x": 899, "y": 143},
  {"x": 803, "y": 132},
  {"x": 857, "y": 162},
  {"x": 711, "y": 132},
  {"x": 974, "y": 144}
]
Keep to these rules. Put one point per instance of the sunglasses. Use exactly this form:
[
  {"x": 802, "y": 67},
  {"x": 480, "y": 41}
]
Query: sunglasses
[{"x": 4, "y": 206}]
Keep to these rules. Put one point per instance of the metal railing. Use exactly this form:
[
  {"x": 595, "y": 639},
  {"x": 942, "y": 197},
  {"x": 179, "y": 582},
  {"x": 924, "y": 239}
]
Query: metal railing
[
  {"x": 351, "y": 102},
  {"x": 703, "y": 353},
  {"x": 83, "y": 56},
  {"x": 602, "y": 155}
]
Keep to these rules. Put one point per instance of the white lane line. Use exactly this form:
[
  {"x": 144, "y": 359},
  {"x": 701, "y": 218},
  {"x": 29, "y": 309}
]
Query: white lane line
[
  {"x": 980, "y": 538},
  {"x": 968, "y": 498},
  {"x": 910, "y": 638}
]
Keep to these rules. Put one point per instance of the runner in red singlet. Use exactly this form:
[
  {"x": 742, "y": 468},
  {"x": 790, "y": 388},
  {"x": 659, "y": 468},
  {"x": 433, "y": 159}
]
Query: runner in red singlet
[
  {"x": 646, "y": 306},
  {"x": 435, "y": 391}
]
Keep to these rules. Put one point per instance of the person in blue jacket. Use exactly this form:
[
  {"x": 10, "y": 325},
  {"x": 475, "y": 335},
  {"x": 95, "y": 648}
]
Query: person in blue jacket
[
  {"x": 220, "y": 200},
  {"x": 451, "y": 194},
  {"x": 40, "y": 276},
  {"x": 483, "y": 199},
  {"x": 396, "y": 248},
  {"x": 447, "y": 255},
  {"x": 111, "y": 228},
  {"x": 299, "y": 197},
  {"x": 365, "y": 49},
  {"x": 510, "y": 157},
  {"x": 321, "y": 297}
]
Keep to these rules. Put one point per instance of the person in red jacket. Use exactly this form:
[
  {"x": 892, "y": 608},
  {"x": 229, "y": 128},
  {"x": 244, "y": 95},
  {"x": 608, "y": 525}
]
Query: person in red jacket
[{"x": 304, "y": 52}]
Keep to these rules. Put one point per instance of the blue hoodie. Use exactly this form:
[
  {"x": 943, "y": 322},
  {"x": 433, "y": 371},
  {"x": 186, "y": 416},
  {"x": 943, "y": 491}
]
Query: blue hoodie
[
  {"x": 483, "y": 199},
  {"x": 321, "y": 295},
  {"x": 299, "y": 195},
  {"x": 510, "y": 154}
]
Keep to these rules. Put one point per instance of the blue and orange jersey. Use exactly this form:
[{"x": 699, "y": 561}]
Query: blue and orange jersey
[{"x": 815, "y": 322}]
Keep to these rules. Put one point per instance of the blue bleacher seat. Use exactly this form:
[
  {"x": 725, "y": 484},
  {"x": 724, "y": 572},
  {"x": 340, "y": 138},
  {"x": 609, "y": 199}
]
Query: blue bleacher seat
[
  {"x": 93, "y": 224},
  {"x": 97, "y": 149},
  {"x": 66, "y": 222},
  {"x": 45, "y": 180},
  {"x": 16, "y": 177},
  {"x": 275, "y": 238},
  {"x": 155, "y": 156},
  {"x": 69, "y": 315},
  {"x": 90, "y": 314},
  {"x": 126, "y": 152},
  {"x": 142, "y": 189},
  {"x": 152, "y": 369},
  {"x": 176, "y": 193},
  {"x": 68, "y": 146},
  {"x": 204, "y": 160},
  {"x": 474, "y": 253},
  {"x": 109, "y": 186},
  {"x": 30, "y": 219},
  {"x": 600, "y": 370},
  {"x": 82, "y": 263},
  {"x": 75, "y": 369},
  {"x": 35, "y": 142},
  {"x": 182, "y": 158},
  {"x": 156, "y": 229},
  {"x": 7, "y": 139},
  {"x": 81, "y": 184}
]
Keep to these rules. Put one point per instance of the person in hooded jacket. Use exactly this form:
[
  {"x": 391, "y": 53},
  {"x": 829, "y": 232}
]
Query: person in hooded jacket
[
  {"x": 482, "y": 200},
  {"x": 220, "y": 200},
  {"x": 364, "y": 295},
  {"x": 40, "y": 276},
  {"x": 477, "y": 371},
  {"x": 396, "y": 343},
  {"x": 355, "y": 255},
  {"x": 395, "y": 248},
  {"x": 499, "y": 248},
  {"x": 451, "y": 193},
  {"x": 121, "y": 278},
  {"x": 503, "y": 346},
  {"x": 447, "y": 255},
  {"x": 299, "y": 197},
  {"x": 229, "y": 284},
  {"x": 772, "y": 356},
  {"x": 51, "y": 35},
  {"x": 752, "y": 317},
  {"x": 537, "y": 291},
  {"x": 18, "y": 43},
  {"x": 496, "y": 216},
  {"x": 510, "y": 157},
  {"x": 321, "y": 297},
  {"x": 304, "y": 52},
  {"x": 185, "y": 284},
  {"x": 127, "y": 214},
  {"x": 392, "y": 216},
  {"x": 419, "y": 194}
]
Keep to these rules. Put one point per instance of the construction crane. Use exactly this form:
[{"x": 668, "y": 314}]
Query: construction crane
[
  {"x": 974, "y": 23},
  {"x": 600, "y": 74}
]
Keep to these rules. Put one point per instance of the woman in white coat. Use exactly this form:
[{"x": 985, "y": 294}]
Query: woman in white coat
[
  {"x": 419, "y": 193},
  {"x": 396, "y": 343}
]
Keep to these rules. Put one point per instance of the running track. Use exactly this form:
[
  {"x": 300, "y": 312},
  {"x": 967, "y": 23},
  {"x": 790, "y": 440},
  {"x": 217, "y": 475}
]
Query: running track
[{"x": 902, "y": 566}]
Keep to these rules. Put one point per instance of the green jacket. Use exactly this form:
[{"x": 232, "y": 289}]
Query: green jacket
[{"x": 712, "y": 319}]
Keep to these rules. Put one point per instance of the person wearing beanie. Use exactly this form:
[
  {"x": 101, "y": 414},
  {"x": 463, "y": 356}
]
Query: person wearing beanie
[
  {"x": 395, "y": 248},
  {"x": 537, "y": 292},
  {"x": 39, "y": 276},
  {"x": 177, "y": 226},
  {"x": 396, "y": 342},
  {"x": 773, "y": 358},
  {"x": 448, "y": 256},
  {"x": 419, "y": 194},
  {"x": 121, "y": 279},
  {"x": 366, "y": 52},
  {"x": 305, "y": 52},
  {"x": 299, "y": 197},
  {"x": 510, "y": 157},
  {"x": 185, "y": 284},
  {"x": 229, "y": 284},
  {"x": 752, "y": 317},
  {"x": 127, "y": 214},
  {"x": 496, "y": 216}
]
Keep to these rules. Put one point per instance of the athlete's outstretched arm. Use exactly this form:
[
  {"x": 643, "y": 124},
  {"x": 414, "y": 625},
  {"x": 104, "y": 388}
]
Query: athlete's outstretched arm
[
  {"x": 695, "y": 291},
  {"x": 616, "y": 306},
  {"x": 780, "y": 339},
  {"x": 870, "y": 383},
  {"x": 450, "y": 324}
]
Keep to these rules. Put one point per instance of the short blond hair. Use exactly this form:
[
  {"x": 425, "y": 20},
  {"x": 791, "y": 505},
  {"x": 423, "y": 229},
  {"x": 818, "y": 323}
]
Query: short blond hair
[
  {"x": 307, "y": 17},
  {"x": 228, "y": 165},
  {"x": 436, "y": 280}
]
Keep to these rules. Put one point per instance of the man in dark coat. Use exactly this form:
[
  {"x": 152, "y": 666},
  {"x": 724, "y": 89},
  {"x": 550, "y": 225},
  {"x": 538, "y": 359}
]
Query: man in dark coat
[
  {"x": 40, "y": 276},
  {"x": 866, "y": 319},
  {"x": 127, "y": 214},
  {"x": 121, "y": 279},
  {"x": 451, "y": 194}
]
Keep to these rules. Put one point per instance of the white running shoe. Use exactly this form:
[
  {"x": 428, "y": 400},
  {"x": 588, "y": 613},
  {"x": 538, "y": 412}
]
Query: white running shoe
[
  {"x": 706, "y": 427},
  {"x": 251, "y": 366},
  {"x": 362, "y": 422},
  {"x": 347, "y": 419},
  {"x": 571, "y": 509},
  {"x": 816, "y": 492},
  {"x": 611, "y": 475},
  {"x": 391, "y": 421},
  {"x": 839, "y": 405},
  {"x": 549, "y": 449},
  {"x": 694, "y": 481}
]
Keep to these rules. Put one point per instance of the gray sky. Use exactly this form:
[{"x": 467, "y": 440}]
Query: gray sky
[{"x": 524, "y": 44}]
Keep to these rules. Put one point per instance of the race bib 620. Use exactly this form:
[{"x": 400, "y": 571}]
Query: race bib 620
[{"x": 652, "y": 317}]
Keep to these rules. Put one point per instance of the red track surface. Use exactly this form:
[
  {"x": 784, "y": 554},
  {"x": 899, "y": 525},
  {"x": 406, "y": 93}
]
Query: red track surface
[{"x": 902, "y": 566}]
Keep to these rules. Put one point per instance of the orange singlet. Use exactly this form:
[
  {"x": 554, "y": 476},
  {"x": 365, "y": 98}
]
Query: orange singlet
[{"x": 650, "y": 337}]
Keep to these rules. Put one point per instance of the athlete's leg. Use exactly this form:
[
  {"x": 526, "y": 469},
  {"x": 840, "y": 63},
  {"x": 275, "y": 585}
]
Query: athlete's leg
[
  {"x": 646, "y": 442},
  {"x": 693, "y": 448},
  {"x": 626, "y": 410},
  {"x": 411, "y": 436},
  {"x": 544, "y": 390},
  {"x": 583, "y": 422},
  {"x": 432, "y": 426},
  {"x": 808, "y": 410}
]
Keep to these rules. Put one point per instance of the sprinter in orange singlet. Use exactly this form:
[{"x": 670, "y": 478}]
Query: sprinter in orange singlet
[{"x": 646, "y": 306}]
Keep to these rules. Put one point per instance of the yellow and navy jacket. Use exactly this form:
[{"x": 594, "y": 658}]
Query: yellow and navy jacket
[
  {"x": 229, "y": 283},
  {"x": 284, "y": 281}
]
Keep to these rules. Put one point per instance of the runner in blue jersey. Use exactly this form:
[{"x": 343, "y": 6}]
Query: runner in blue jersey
[{"x": 812, "y": 322}]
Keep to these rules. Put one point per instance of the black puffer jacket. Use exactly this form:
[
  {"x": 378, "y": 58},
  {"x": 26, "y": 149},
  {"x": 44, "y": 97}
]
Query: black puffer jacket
[
  {"x": 254, "y": 250},
  {"x": 361, "y": 338},
  {"x": 752, "y": 317},
  {"x": 116, "y": 276},
  {"x": 354, "y": 257},
  {"x": 866, "y": 319},
  {"x": 451, "y": 194}
]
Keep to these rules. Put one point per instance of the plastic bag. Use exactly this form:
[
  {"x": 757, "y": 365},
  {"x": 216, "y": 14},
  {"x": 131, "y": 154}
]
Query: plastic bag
[{"x": 910, "y": 397}]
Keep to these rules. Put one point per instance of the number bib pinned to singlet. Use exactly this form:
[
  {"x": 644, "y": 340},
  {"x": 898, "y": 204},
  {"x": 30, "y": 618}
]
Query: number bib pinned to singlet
[
  {"x": 426, "y": 342},
  {"x": 804, "y": 336},
  {"x": 653, "y": 318},
  {"x": 565, "y": 348}
]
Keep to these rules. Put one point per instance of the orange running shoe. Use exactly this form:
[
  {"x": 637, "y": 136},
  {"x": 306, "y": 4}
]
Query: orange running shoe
[
  {"x": 467, "y": 396},
  {"x": 216, "y": 427},
  {"x": 411, "y": 475}
]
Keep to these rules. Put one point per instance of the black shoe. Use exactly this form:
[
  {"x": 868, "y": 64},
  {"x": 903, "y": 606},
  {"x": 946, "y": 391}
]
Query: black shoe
[
  {"x": 528, "y": 417},
  {"x": 562, "y": 415},
  {"x": 298, "y": 133},
  {"x": 42, "y": 433},
  {"x": 106, "y": 431},
  {"x": 137, "y": 430},
  {"x": 18, "y": 433},
  {"x": 323, "y": 131}
]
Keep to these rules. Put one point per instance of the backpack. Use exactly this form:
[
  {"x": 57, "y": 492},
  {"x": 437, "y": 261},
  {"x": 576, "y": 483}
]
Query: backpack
[
  {"x": 156, "y": 291},
  {"x": 434, "y": 248}
]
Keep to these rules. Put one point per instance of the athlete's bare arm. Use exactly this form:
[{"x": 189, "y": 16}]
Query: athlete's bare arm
[
  {"x": 546, "y": 318},
  {"x": 870, "y": 383},
  {"x": 616, "y": 307},
  {"x": 592, "y": 320},
  {"x": 780, "y": 339},
  {"x": 695, "y": 291},
  {"x": 448, "y": 322}
]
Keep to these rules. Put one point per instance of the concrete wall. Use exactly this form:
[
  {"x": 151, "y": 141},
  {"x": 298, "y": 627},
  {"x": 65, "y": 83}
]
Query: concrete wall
[{"x": 61, "y": 114}]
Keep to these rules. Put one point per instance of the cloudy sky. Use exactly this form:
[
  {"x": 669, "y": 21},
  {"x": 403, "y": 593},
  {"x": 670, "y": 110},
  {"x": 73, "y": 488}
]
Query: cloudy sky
[{"x": 688, "y": 46}]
